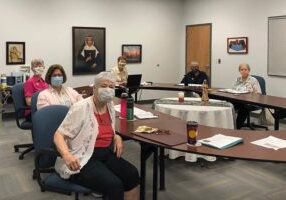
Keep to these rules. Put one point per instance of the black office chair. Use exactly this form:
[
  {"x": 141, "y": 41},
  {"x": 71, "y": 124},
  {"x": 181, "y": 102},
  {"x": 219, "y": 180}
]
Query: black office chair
[
  {"x": 45, "y": 123},
  {"x": 34, "y": 101},
  {"x": 252, "y": 108},
  {"x": 20, "y": 107}
]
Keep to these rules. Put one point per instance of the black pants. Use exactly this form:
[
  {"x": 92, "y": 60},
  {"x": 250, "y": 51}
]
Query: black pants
[
  {"x": 106, "y": 174},
  {"x": 242, "y": 113}
]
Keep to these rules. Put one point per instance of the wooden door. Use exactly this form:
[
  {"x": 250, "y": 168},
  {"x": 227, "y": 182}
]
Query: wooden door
[{"x": 198, "y": 47}]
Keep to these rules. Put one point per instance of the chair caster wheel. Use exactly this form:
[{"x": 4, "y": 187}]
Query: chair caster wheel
[
  {"x": 21, "y": 157},
  {"x": 16, "y": 149}
]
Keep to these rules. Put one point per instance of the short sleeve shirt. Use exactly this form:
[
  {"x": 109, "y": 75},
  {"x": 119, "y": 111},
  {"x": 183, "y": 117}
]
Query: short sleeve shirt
[
  {"x": 249, "y": 85},
  {"x": 33, "y": 85}
]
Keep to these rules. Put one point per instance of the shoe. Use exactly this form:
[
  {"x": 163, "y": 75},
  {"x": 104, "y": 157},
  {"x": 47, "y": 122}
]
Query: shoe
[
  {"x": 191, "y": 157},
  {"x": 96, "y": 195},
  {"x": 209, "y": 158}
]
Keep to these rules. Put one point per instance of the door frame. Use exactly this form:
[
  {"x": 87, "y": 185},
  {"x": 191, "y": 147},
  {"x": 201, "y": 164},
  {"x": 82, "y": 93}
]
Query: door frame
[{"x": 193, "y": 25}]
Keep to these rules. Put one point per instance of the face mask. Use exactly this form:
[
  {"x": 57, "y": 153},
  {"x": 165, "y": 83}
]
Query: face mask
[
  {"x": 38, "y": 70},
  {"x": 57, "y": 80},
  {"x": 106, "y": 94}
]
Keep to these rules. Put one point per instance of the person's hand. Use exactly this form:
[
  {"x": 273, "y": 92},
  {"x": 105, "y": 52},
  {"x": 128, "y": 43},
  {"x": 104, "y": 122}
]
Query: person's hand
[
  {"x": 88, "y": 59},
  {"x": 93, "y": 66},
  {"x": 123, "y": 84},
  {"x": 118, "y": 146},
  {"x": 72, "y": 162}
]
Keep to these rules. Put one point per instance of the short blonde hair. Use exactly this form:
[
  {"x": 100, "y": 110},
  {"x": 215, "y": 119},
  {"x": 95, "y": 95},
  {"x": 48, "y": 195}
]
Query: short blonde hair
[
  {"x": 36, "y": 62},
  {"x": 104, "y": 76},
  {"x": 243, "y": 64}
]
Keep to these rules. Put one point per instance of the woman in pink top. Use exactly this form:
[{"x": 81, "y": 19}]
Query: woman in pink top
[
  {"x": 57, "y": 94},
  {"x": 34, "y": 84}
]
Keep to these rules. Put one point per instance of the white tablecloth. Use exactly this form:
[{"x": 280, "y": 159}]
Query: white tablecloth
[{"x": 216, "y": 116}]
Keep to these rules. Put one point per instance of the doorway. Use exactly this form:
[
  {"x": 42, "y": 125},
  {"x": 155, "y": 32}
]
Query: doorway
[{"x": 198, "y": 47}]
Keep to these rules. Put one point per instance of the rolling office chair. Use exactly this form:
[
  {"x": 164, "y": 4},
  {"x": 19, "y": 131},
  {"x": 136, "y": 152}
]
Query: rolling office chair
[
  {"x": 46, "y": 154},
  {"x": 34, "y": 101},
  {"x": 20, "y": 107},
  {"x": 262, "y": 84}
]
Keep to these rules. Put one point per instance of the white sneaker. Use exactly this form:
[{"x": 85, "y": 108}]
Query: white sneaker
[
  {"x": 191, "y": 157},
  {"x": 96, "y": 195},
  {"x": 209, "y": 158}
]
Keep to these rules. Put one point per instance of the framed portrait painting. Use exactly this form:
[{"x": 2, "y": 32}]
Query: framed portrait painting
[
  {"x": 15, "y": 53},
  {"x": 88, "y": 50},
  {"x": 132, "y": 52},
  {"x": 237, "y": 45}
]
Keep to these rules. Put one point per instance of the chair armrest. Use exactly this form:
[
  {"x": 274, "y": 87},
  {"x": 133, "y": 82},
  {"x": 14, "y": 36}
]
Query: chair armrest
[{"x": 47, "y": 151}]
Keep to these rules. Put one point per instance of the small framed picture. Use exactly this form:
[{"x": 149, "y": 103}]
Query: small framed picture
[
  {"x": 15, "y": 53},
  {"x": 132, "y": 52},
  {"x": 237, "y": 45}
]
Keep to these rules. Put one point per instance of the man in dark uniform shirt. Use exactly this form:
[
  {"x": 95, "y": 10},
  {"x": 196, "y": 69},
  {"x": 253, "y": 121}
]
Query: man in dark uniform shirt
[{"x": 195, "y": 76}]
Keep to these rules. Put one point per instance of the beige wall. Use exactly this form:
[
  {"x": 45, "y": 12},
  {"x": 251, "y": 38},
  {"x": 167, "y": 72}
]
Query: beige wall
[
  {"x": 46, "y": 27},
  {"x": 233, "y": 19}
]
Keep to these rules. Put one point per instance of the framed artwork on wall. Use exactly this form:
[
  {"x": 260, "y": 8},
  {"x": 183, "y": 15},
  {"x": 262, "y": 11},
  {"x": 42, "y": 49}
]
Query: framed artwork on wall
[
  {"x": 15, "y": 53},
  {"x": 88, "y": 50},
  {"x": 132, "y": 52},
  {"x": 237, "y": 45}
]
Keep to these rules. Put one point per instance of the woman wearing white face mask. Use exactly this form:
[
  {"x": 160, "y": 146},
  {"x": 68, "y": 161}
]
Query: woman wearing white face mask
[
  {"x": 57, "y": 94},
  {"x": 91, "y": 150},
  {"x": 34, "y": 84}
]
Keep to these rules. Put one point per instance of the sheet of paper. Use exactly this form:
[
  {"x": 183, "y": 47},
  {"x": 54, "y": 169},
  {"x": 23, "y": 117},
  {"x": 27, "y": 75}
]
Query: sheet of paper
[
  {"x": 271, "y": 143},
  {"x": 195, "y": 85},
  {"x": 233, "y": 91},
  {"x": 139, "y": 113}
]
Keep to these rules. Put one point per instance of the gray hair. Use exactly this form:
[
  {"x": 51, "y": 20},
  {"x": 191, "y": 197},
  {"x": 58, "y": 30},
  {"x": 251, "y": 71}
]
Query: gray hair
[
  {"x": 104, "y": 76},
  {"x": 36, "y": 62},
  {"x": 244, "y": 64}
]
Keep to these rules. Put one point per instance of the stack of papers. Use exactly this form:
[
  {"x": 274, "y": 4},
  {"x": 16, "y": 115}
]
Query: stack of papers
[
  {"x": 139, "y": 113},
  {"x": 271, "y": 143},
  {"x": 142, "y": 114},
  {"x": 195, "y": 85},
  {"x": 233, "y": 91},
  {"x": 221, "y": 141}
]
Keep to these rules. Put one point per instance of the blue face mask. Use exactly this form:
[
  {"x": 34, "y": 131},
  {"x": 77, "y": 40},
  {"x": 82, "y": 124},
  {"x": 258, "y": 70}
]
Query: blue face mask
[{"x": 57, "y": 80}]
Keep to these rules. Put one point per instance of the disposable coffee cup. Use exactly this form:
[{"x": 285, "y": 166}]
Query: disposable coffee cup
[{"x": 181, "y": 97}]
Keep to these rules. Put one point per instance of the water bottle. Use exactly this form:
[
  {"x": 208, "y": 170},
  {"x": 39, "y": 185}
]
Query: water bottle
[
  {"x": 123, "y": 105},
  {"x": 130, "y": 109}
]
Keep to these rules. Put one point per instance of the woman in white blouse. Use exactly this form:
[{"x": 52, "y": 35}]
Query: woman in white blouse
[
  {"x": 56, "y": 93},
  {"x": 244, "y": 83},
  {"x": 91, "y": 150}
]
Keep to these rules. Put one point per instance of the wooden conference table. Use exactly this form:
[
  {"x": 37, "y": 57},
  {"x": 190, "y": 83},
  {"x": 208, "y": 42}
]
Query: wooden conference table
[
  {"x": 177, "y": 127},
  {"x": 266, "y": 101}
]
